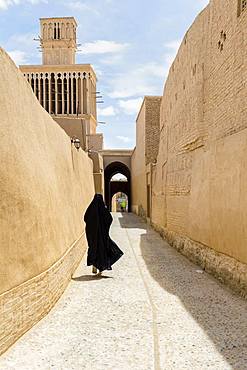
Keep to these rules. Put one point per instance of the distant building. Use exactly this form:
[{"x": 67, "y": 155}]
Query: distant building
[{"x": 65, "y": 89}]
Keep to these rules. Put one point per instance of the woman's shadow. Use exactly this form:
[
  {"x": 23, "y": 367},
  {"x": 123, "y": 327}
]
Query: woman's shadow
[{"x": 91, "y": 277}]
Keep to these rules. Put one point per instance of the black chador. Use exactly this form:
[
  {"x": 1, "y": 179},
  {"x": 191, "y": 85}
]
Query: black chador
[{"x": 102, "y": 251}]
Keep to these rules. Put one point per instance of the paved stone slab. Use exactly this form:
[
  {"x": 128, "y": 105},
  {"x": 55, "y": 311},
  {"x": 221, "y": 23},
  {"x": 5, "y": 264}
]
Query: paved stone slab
[{"x": 155, "y": 310}]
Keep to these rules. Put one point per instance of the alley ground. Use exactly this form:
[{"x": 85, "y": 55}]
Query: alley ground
[{"x": 155, "y": 310}]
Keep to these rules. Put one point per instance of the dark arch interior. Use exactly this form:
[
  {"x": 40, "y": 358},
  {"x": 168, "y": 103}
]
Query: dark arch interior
[{"x": 113, "y": 187}]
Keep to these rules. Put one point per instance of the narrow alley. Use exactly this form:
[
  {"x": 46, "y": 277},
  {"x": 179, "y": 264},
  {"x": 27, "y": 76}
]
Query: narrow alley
[{"x": 155, "y": 310}]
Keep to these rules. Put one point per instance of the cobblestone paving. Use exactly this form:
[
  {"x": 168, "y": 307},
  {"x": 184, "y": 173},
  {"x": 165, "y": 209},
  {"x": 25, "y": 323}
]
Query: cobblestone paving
[{"x": 155, "y": 310}]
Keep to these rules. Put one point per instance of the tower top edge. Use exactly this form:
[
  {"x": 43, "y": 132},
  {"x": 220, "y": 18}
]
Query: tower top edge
[{"x": 60, "y": 18}]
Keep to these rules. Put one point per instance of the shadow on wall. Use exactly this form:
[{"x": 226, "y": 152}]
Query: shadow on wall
[{"x": 221, "y": 314}]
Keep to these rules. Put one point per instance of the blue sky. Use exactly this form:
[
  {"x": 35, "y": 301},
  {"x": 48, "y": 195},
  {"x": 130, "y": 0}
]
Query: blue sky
[{"x": 130, "y": 43}]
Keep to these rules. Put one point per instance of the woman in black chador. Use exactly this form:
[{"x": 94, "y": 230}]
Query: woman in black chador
[{"x": 102, "y": 251}]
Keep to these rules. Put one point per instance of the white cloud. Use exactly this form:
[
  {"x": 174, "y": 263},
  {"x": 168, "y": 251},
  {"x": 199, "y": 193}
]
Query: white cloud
[
  {"x": 79, "y": 6},
  {"x": 102, "y": 47},
  {"x": 124, "y": 139},
  {"x": 170, "y": 55},
  {"x": 34, "y": 2},
  {"x": 174, "y": 45},
  {"x": 23, "y": 40},
  {"x": 98, "y": 70},
  {"x": 138, "y": 82},
  {"x": 18, "y": 56},
  {"x": 23, "y": 49},
  {"x": 5, "y": 4},
  {"x": 107, "y": 112},
  {"x": 131, "y": 106},
  {"x": 113, "y": 59},
  {"x": 146, "y": 79}
]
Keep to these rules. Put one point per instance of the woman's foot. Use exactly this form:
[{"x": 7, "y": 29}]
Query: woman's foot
[{"x": 94, "y": 270}]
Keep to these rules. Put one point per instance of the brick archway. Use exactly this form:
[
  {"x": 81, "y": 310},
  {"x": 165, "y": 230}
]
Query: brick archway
[{"x": 113, "y": 187}]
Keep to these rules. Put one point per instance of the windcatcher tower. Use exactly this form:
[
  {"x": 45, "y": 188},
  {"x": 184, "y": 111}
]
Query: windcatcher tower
[
  {"x": 58, "y": 40},
  {"x": 65, "y": 89}
]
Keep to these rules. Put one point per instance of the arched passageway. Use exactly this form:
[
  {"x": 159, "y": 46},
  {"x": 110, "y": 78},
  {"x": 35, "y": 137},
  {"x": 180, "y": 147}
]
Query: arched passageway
[
  {"x": 119, "y": 202},
  {"x": 113, "y": 187}
]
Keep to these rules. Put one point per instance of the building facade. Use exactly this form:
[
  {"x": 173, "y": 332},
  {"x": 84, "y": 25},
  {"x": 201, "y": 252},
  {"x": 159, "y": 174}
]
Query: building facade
[
  {"x": 67, "y": 91},
  {"x": 145, "y": 154},
  {"x": 198, "y": 195}
]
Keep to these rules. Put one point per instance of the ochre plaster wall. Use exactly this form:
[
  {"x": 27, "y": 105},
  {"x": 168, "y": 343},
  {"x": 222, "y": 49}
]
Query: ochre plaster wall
[
  {"x": 74, "y": 127},
  {"x": 98, "y": 171},
  {"x": 138, "y": 168},
  {"x": 199, "y": 184},
  {"x": 45, "y": 186},
  {"x": 146, "y": 151}
]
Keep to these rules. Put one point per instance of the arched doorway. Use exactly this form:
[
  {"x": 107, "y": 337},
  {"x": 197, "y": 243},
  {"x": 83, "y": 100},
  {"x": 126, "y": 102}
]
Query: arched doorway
[
  {"x": 116, "y": 186},
  {"x": 119, "y": 202}
]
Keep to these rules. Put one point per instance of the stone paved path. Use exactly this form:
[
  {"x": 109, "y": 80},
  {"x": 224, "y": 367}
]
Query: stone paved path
[{"x": 155, "y": 310}]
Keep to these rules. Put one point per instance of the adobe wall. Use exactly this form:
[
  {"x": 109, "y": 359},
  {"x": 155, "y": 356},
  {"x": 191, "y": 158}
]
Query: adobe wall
[
  {"x": 138, "y": 168},
  {"x": 199, "y": 184},
  {"x": 45, "y": 186},
  {"x": 146, "y": 151},
  {"x": 95, "y": 142},
  {"x": 74, "y": 127},
  {"x": 98, "y": 171},
  {"x": 152, "y": 127}
]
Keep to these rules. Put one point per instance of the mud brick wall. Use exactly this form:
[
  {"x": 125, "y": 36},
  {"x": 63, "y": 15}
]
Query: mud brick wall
[
  {"x": 45, "y": 186},
  {"x": 199, "y": 183}
]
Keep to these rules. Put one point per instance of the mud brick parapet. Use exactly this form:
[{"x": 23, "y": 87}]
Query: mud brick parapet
[{"x": 23, "y": 306}]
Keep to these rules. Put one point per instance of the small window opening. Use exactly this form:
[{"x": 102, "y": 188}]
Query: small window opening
[
  {"x": 55, "y": 31},
  {"x": 242, "y": 5}
]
